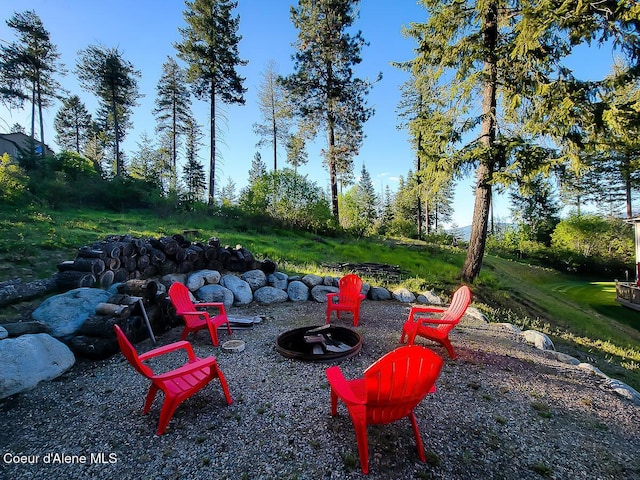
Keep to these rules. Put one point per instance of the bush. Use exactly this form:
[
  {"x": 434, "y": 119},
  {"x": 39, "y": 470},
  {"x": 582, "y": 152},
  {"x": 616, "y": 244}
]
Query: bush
[{"x": 13, "y": 181}]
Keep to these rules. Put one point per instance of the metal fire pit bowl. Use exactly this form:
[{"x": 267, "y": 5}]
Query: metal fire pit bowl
[{"x": 324, "y": 343}]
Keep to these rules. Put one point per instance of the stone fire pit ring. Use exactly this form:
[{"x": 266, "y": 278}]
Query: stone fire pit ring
[{"x": 319, "y": 343}]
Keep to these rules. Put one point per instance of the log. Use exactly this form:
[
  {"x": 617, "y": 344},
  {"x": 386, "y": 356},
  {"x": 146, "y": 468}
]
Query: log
[
  {"x": 99, "y": 326},
  {"x": 112, "y": 309},
  {"x": 65, "y": 266},
  {"x": 140, "y": 288},
  {"x": 73, "y": 279},
  {"x": 95, "y": 348},
  {"x": 88, "y": 252},
  {"x": 142, "y": 262},
  {"x": 93, "y": 265},
  {"x": 111, "y": 249},
  {"x": 15, "y": 329},
  {"x": 106, "y": 279},
  {"x": 120, "y": 275}
]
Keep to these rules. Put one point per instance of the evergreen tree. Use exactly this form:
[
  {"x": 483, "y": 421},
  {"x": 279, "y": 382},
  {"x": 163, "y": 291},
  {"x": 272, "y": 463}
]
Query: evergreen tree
[
  {"x": 28, "y": 66},
  {"x": 193, "y": 176},
  {"x": 535, "y": 208},
  {"x": 210, "y": 48},
  {"x": 72, "y": 124},
  {"x": 151, "y": 164},
  {"x": 323, "y": 87},
  {"x": 275, "y": 111},
  {"x": 172, "y": 106},
  {"x": 470, "y": 47},
  {"x": 104, "y": 72},
  {"x": 258, "y": 168},
  {"x": 228, "y": 195}
]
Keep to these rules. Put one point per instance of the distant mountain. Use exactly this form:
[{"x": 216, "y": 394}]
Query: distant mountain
[{"x": 464, "y": 233}]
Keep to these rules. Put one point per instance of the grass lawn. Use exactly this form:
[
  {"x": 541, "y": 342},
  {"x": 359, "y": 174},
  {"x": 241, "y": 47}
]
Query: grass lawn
[{"x": 582, "y": 313}]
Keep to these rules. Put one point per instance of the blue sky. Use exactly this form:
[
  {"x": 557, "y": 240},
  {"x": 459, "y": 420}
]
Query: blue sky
[{"x": 145, "y": 30}]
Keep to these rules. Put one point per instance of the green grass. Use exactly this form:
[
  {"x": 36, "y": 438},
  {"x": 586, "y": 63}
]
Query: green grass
[{"x": 578, "y": 313}]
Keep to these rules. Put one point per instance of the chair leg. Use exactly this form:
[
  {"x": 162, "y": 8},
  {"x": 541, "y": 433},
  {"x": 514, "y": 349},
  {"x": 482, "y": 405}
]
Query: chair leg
[
  {"x": 416, "y": 433},
  {"x": 447, "y": 344},
  {"x": 151, "y": 395},
  {"x": 168, "y": 409},
  {"x": 223, "y": 383},
  {"x": 358, "y": 416},
  {"x": 334, "y": 403}
]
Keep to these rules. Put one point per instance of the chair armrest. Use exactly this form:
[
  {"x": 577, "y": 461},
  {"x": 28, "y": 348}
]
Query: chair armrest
[
  {"x": 362, "y": 296},
  {"x": 439, "y": 321},
  {"x": 219, "y": 305},
  {"x": 341, "y": 387},
  {"x": 194, "y": 312},
  {"x": 418, "y": 310},
  {"x": 183, "y": 344},
  {"x": 187, "y": 368}
]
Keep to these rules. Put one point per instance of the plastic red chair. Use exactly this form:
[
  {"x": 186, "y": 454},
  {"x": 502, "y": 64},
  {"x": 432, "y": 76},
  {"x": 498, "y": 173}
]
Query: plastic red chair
[
  {"x": 347, "y": 299},
  {"x": 390, "y": 390},
  {"x": 178, "y": 384},
  {"x": 194, "y": 318},
  {"x": 437, "y": 329}
]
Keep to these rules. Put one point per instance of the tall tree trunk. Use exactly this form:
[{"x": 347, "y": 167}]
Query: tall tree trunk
[
  {"x": 116, "y": 133},
  {"x": 274, "y": 128},
  {"x": 212, "y": 160},
  {"x": 43, "y": 153},
  {"x": 627, "y": 188},
  {"x": 477, "y": 241},
  {"x": 418, "y": 167},
  {"x": 333, "y": 170}
]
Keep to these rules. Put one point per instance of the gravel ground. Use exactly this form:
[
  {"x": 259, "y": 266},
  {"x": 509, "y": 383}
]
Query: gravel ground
[{"x": 502, "y": 411}]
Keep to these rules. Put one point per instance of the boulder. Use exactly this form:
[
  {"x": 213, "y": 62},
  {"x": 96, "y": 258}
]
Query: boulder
[
  {"x": 268, "y": 295},
  {"x": 319, "y": 292},
  {"x": 279, "y": 280},
  {"x": 255, "y": 278},
  {"x": 429, "y": 297},
  {"x": 64, "y": 313},
  {"x": 379, "y": 293},
  {"x": 242, "y": 294},
  {"x": 202, "y": 277},
  {"x": 311, "y": 280},
  {"x": 30, "y": 359},
  {"x": 298, "y": 291},
  {"x": 403, "y": 295},
  {"x": 214, "y": 294},
  {"x": 3, "y": 333},
  {"x": 538, "y": 340}
]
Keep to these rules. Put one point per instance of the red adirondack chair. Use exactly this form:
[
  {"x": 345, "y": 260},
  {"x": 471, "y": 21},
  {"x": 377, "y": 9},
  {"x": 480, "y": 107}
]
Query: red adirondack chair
[
  {"x": 178, "y": 384},
  {"x": 195, "y": 315},
  {"x": 347, "y": 299},
  {"x": 437, "y": 329},
  {"x": 390, "y": 390}
]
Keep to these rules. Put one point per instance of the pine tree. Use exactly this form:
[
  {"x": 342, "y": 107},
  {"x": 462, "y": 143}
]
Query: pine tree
[
  {"x": 172, "y": 106},
  {"x": 210, "y": 48},
  {"x": 28, "y": 66},
  {"x": 72, "y": 124},
  {"x": 275, "y": 110},
  {"x": 323, "y": 87},
  {"x": 471, "y": 47},
  {"x": 258, "y": 168},
  {"x": 104, "y": 72},
  {"x": 193, "y": 176}
]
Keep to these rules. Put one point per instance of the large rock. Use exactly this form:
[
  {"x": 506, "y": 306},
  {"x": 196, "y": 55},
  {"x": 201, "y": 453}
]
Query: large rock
[
  {"x": 255, "y": 278},
  {"x": 429, "y": 297},
  {"x": 64, "y": 313},
  {"x": 268, "y": 295},
  {"x": 242, "y": 294},
  {"x": 214, "y": 294},
  {"x": 379, "y": 293},
  {"x": 538, "y": 339},
  {"x": 30, "y": 359},
  {"x": 319, "y": 292},
  {"x": 403, "y": 295},
  {"x": 312, "y": 280},
  {"x": 279, "y": 280},
  {"x": 298, "y": 291},
  {"x": 202, "y": 277}
]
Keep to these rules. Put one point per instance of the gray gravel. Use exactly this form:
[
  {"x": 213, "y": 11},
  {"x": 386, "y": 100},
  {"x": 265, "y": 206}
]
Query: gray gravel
[{"x": 501, "y": 411}]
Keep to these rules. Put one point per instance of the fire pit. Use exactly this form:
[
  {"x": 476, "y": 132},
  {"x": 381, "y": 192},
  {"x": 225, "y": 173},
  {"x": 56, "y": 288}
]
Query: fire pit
[{"x": 324, "y": 343}]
